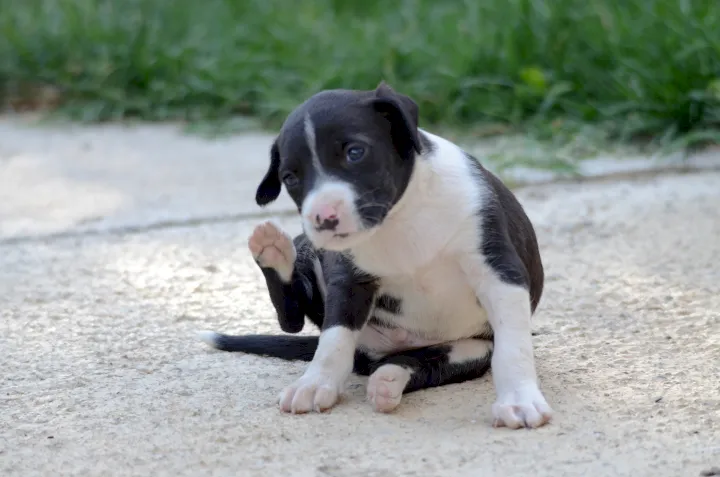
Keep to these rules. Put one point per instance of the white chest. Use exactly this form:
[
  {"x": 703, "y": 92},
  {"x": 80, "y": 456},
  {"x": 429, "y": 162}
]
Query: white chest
[
  {"x": 435, "y": 303},
  {"x": 415, "y": 254}
]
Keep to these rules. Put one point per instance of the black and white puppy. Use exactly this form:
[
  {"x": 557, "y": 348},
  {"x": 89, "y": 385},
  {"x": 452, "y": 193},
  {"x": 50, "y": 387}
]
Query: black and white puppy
[{"x": 420, "y": 267}]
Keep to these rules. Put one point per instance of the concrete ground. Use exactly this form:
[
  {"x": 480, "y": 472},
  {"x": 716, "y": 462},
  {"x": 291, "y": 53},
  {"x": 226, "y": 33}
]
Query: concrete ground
[{"x": 115, "y": 244}]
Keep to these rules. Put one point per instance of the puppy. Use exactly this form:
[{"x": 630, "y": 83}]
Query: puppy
[{"x": 418, "y": 265}]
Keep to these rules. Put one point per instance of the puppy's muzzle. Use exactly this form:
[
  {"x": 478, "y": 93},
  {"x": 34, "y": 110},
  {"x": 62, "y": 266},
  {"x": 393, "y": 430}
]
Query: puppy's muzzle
[{"x": 329, "y": 213}]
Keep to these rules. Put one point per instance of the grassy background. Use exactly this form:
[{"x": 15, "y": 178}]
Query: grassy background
[{"x": 648, "y": 68}]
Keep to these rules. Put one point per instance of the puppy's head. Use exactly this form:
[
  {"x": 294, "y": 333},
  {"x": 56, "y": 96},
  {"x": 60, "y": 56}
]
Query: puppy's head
[{"x": 345, "y": 158}]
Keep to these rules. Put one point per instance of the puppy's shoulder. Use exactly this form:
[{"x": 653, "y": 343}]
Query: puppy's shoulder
[{"x": 458, "y": 178}]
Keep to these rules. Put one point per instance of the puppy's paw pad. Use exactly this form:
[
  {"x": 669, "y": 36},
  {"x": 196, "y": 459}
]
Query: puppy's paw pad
[
  {"x": 385, "y": 387},
  {"x": 524, "y": 407},
  {"x": 272, "y": 247},
  {"x": 309, "y": 393}
]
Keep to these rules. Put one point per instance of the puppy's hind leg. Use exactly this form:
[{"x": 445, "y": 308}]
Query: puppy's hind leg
[
  {"x": 412, "y": 370},
  {"x": 289, "y": 267}
]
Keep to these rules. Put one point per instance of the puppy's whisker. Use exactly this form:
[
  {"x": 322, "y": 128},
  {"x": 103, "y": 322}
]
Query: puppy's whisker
[{"x": 373, "y": 206}]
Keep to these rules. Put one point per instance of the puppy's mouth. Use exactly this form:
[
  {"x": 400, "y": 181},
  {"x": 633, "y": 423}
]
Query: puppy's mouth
[{"x": 338, "y": 241}]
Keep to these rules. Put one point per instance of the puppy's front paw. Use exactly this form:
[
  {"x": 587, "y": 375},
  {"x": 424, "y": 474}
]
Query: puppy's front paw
[
  {"x": 522, "y": 407},
  {"x": 312, "y": 392}
]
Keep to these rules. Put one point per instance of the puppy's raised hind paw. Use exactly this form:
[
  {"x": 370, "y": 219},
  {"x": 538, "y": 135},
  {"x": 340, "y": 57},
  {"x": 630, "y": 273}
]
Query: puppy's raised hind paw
[{"x": 272, "y": 247}]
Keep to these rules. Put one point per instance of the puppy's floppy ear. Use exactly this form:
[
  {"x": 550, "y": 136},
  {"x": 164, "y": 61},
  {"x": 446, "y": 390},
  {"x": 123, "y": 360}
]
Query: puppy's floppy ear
[
  {"x": 402, "y": 114},
  {"x": 270, "y": 187}
]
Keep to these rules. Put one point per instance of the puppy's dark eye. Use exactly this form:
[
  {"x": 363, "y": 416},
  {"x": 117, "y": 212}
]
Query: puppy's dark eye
[
  {"x": 290, "y": 179},
  {"x": 355, "y": 153}
]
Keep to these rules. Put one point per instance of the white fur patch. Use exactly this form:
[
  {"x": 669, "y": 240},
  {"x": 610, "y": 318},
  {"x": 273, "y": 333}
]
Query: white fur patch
[
  {"x": 320, "y": 278},
  {"x": 463, "y": 351},
  {"x": 379, "y": 341},
  {"x": 208, "y": 337},
  {"x": 312, "y": 145},
  {"x": 335, "y": 352},
  {"x": 324, "y": 379}
]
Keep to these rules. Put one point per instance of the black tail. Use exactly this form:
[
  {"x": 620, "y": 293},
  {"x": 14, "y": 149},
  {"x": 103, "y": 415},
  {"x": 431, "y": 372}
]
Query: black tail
[{"x": 290, "y": 347}]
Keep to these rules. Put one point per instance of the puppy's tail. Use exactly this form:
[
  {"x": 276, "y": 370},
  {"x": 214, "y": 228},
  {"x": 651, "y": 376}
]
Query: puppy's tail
[{"x": 288, "y": 347}]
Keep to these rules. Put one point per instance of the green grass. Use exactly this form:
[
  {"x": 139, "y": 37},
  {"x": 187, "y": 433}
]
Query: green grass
[{"x": 631, "y": 68}]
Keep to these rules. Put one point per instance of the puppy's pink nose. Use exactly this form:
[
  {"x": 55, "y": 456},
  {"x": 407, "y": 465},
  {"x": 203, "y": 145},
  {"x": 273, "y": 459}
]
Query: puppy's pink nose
[
  {"x": 326, "y": 217},
  {"x": 326, "y": 212}
]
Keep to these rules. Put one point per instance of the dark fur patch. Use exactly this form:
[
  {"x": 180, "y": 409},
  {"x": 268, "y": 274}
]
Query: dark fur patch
[
  {"x": 358, "y": 288},
  {"x": 428, "y": 147},
  {"x": 390, "y": 304},
  {"x": 509, "y": 243},
  {"x": 290, "y": 348},
  {"x": 270, "y": 186},
  {"x": 486, "y": 333},
  {"x": 431, "y": 367}
]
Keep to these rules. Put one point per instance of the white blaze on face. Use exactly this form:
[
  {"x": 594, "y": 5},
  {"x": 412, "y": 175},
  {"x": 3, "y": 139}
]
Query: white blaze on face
[
  {"x": 329, "y": 198},
  {"x": 312, "y": 144}
]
